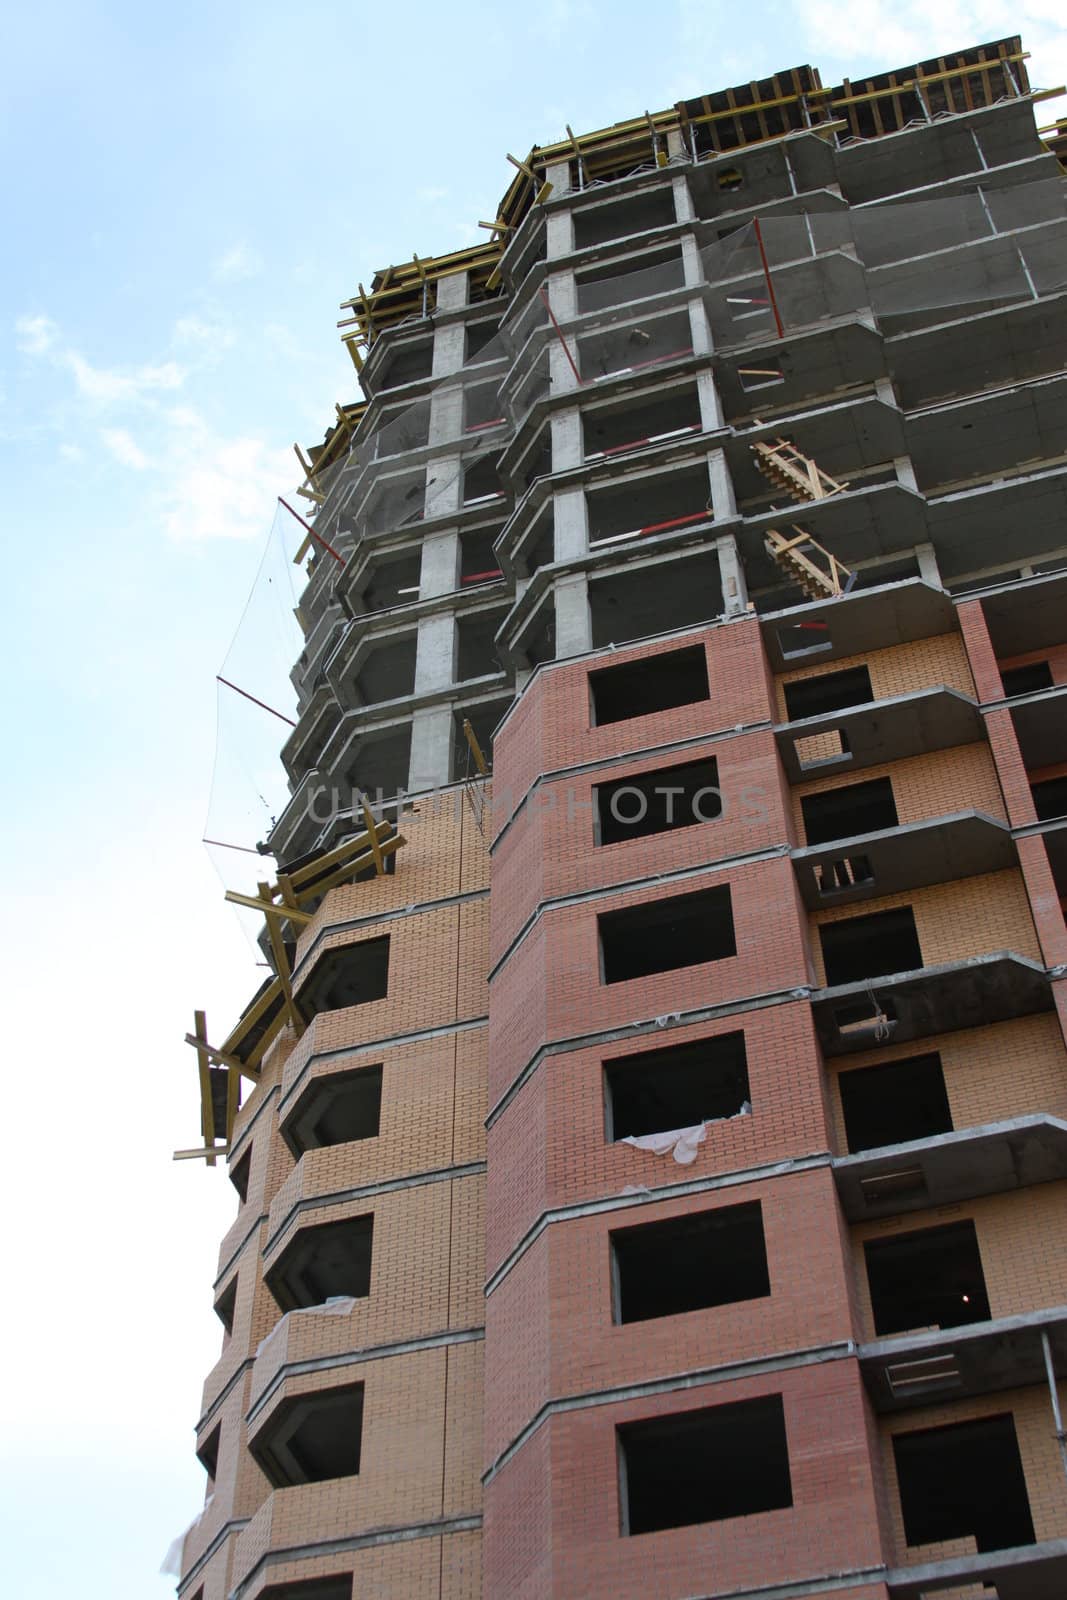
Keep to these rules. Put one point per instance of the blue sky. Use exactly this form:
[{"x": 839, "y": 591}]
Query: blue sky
[{"x": 189, "y": 194}]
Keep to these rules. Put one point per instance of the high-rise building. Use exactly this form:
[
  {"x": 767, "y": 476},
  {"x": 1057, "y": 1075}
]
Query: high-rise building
[{"x": 652, "y": 1177}]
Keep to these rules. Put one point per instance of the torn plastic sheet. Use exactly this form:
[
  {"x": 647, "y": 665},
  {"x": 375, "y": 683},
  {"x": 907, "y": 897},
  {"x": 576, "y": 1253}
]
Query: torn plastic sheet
[
  {"x": 172, "y": 1561},
  {"x": 681, "y": 1143},
  {"x": 337, "y": 1305}
]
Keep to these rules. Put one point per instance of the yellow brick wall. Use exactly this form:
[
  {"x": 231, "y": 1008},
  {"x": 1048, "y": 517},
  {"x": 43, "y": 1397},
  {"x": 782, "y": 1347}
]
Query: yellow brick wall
[
  {"x": 968, "y": 917},
  {"x": 1021, "y": 1241},
  {"x": 416, "y": 1569},
  {"x": 1045, "y": 1482},
  {"x": 900, "y": 669},
  {"x": 933, "y": 785},
  {"x": 420, "y": 1409},
  {"x": 427, "y": 1271},
  {"x": 1005, "y": 1070}
]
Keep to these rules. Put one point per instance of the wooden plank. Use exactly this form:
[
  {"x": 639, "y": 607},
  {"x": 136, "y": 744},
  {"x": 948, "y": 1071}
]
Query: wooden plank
[
  {"x": 267, "y": 908},
  {"x": 372, "y": 834}
]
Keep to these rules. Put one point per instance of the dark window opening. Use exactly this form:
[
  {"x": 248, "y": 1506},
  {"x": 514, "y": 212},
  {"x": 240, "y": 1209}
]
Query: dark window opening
[
  {"x": 314, "y": 1589},
  {"x": 478, "y": 561},
  {"x": 481, "y": 479},
  {"x": 208, "y": 1453},
  {"x": 655, "y": 683},
  {"x": 1036, "y": 675},
  {"x": 337, "y": 1110},
  {"x": 931, "y": 1278},
  {"x": 1050, "y": 798},
  {"x": 854, "y": 808},
  {"x": 353, "y": 975},
  {"x": 408, "y": 364},
  {"x": 704, "y": 1466},
  {"x": 239, "y": 1175},
  {"x": 480, "y": 335},
  {"x": 226, "y": 1305},
  {"x": 476, "y": 648},
  {"x": 333, "y": 1258},
  {"x": 387, "y": 672},
  {"x": 621, "y": 282},
  {"x": 895, "y": 1102},
  {"x": 964, "y": 1480},
  {"x": 729, "y": 179},
  {"x": 829, "y": 691},
  {"x": 638, "y": 214},
  {"x": 689, "y": 1263},
  {"x": 393, "y": 583},
  {"x": 652, "y": 802},
  {"x": 662, "y": 935},
  {"x": 870, "y": 947},
  {"x": 312, "y": 1438},
  {"x": 482, "y": 407},
  {"x": 676, "y": 1087}
]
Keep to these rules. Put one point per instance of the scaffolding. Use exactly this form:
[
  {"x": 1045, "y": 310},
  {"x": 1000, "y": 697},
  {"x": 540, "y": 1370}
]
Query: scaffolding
[{"x": 287, "y": 907}]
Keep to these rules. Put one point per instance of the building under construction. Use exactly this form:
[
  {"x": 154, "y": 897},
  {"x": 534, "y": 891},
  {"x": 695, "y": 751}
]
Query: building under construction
[{"x": 651, "y": 1138}]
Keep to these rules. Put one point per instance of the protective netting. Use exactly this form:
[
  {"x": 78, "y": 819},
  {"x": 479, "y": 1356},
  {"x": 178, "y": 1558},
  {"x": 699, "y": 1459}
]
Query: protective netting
[
  {"x": 257, "y": 706},
  {"x": 412, "y": 467}
]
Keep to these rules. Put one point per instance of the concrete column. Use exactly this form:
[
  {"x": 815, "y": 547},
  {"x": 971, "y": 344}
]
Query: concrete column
[
  {"x": 721, "y": 494},
  {"x": 691, "y": 262},
  {"x": 570, "y": 525},
  {"x": 563, "y": 298},
  {"x": 711, "y": 412},
  {"x": 905, "y": 472},
  {"x": 452, "y": 292},
  {"x": 683, "y": 200},
  {"x": 676, "y": 145},
  {"x": 559, "y": 234},
  {"x": 566, "y": 440},
  {"x": 446, "y": 412},
  {"x": 449, "y": 345},
  {"x": 574, "y": 624},
  {"x": 732, "y": 573},
  {"x": 435, "y": 655},
  {"x": 432, "y": 734},
  {"x": 444, "y": 487},
  {"x": 929, "y": 571},
  {"x": 439, "y": 572},
  {"x": 700, "y": 329},
  {"x": 558, "y": 174}
]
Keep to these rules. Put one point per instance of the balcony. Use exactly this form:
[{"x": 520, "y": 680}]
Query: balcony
[
  {"x": 929, "y": 1000},
  {"x": 858, "y": 624},
  {"x": 879, "y": 731},
  {"x": 935, "y": 850},
  {"x": 966, "y": 354},
  {"x": 948, "y": 1167}
]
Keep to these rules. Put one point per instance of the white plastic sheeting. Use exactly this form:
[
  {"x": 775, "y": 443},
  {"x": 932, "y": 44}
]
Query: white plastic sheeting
[
  {"x": 337, "y": 1305},
  {"x": 172, "y": 1561},
  {"x": 681, "y": 1143}
]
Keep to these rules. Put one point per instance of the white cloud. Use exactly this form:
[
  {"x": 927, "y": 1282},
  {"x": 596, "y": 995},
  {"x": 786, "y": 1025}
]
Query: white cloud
[
  {"x": 124, "y": 448},
  {"x": 35, "y": 334},
  {"x": 220, "y": 488},
  {"x": 429, "y": 195},
  {"x": 108, "y": 385},
  {"x": 199, "y": 334},
  {"x": 72, "y": 452},
  {"x": 237, "y": 263}
]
